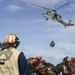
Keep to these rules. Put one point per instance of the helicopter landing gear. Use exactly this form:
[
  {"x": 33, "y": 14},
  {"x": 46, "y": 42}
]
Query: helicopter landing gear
[{"x": 46, "y": 19}]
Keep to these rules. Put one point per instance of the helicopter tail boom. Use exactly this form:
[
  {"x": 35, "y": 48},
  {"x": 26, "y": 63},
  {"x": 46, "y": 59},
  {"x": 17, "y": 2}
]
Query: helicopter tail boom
[{"x": 69, "y": 23}]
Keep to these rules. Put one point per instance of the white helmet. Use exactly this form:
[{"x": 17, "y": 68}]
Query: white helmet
[{"x": 12, "y": 39}]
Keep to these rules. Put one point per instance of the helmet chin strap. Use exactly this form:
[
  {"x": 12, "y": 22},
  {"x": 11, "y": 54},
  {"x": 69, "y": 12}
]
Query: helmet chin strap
[{"x": 4, "y": 45}]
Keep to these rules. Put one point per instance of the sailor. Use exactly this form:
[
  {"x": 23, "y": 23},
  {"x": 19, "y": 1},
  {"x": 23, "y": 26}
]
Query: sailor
[{"x": 13, "y": 61}]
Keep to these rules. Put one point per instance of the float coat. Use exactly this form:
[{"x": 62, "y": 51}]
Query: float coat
[{"x": 10, "y": 60}]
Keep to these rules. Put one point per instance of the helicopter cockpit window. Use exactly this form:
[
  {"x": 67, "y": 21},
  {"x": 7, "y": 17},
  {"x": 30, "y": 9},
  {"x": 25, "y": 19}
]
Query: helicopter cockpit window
[{"x": 48, "y": 11}]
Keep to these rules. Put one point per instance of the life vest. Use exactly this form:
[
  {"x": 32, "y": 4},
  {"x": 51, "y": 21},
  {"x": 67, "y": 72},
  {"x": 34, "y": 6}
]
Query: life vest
[{"x": 9, "y": 62}]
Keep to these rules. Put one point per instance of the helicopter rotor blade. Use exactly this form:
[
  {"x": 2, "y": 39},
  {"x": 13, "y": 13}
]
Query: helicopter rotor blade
[
  {"x": 61, "y": 6},
  {"x": 42, "y": 7}
]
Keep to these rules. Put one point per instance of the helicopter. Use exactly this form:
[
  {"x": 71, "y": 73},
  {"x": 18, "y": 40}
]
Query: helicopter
[{"x": 53, "y": 15}]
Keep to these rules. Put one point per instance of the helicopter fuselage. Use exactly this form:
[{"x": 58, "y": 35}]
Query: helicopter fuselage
[{"x": 52, "y": 15}]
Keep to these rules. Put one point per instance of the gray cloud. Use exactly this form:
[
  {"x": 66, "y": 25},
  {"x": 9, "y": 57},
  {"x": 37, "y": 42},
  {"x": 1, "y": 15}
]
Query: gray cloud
[
  {"x": 45, "y": 2},
  {"x": 13, "y": 7}
]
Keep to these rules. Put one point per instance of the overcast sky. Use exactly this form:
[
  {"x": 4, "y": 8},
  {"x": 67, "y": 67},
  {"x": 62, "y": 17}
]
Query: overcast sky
[{"x": 25, "y": 20}]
